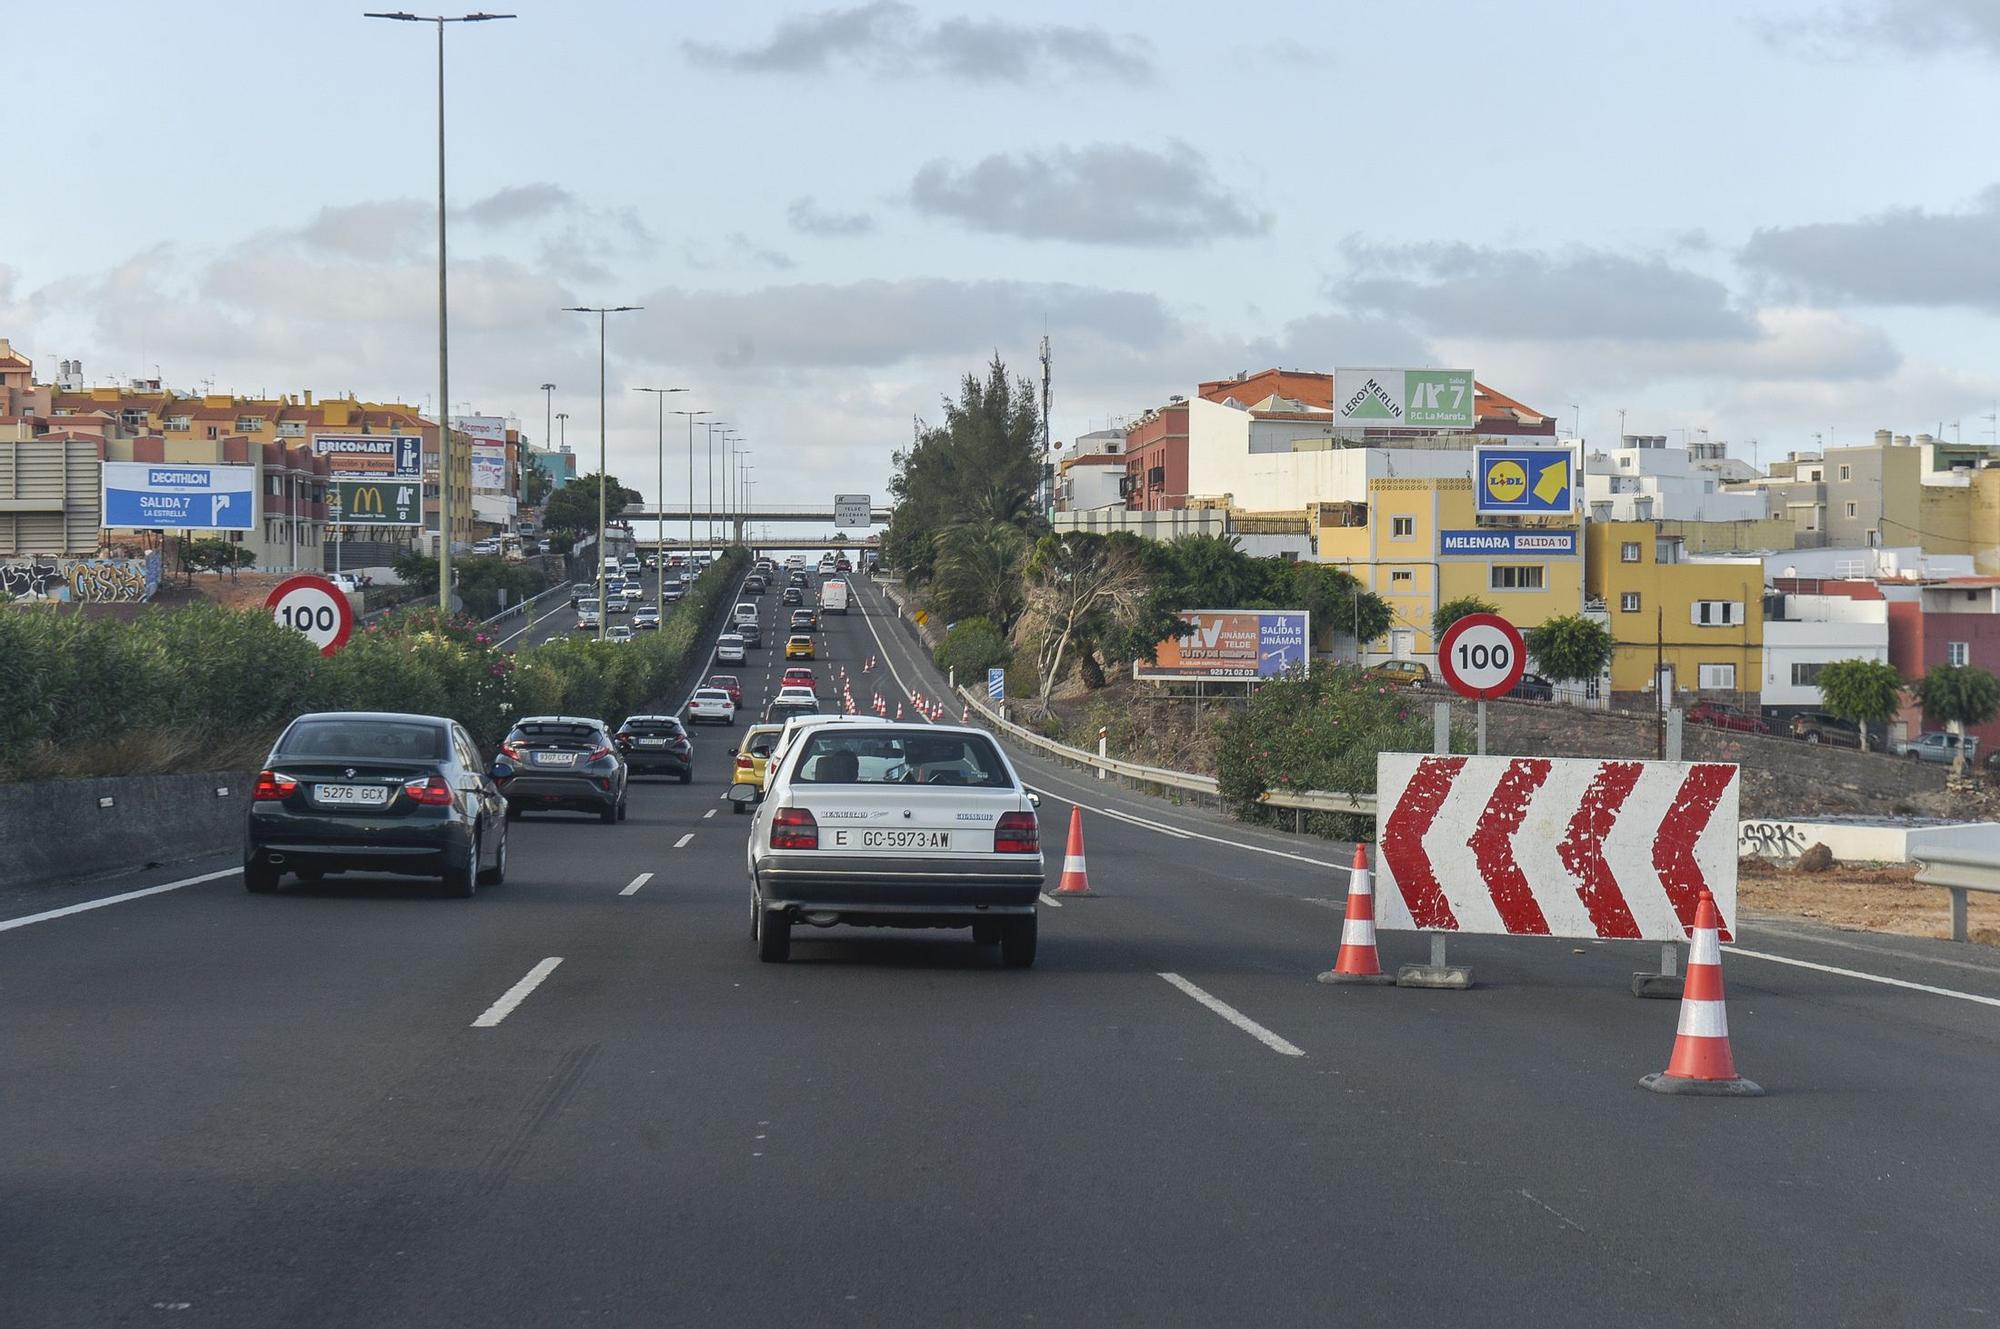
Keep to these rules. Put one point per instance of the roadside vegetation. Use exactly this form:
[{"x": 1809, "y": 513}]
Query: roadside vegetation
[{"x": 205, "y": 688}]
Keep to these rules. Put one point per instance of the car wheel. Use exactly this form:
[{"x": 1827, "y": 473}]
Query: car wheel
[
  {"x": 608, "y": 815},
  {"x": 986, "y": 932},
  {"x": 774, "y": 936},
  {"x": 513, "y": 812},
  {"x": 496, "y": 874},
  {"x": 1017, "y": 942},
  {"x": 621, "y": 809},
  {"x": 462, "y": 879},
  {"x": 687, "y": 777},
  {"x": 260, "y": 878},
  {"x": 737, "y": 809}
]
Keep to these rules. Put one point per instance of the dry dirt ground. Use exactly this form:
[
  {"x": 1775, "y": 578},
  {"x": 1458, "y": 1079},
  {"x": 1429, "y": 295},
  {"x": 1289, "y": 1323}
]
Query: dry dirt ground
[{"x": 1870, "y": 899}]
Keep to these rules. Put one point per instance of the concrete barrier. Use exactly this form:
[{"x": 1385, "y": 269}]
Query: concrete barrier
[{"x": 60, "y": 830}]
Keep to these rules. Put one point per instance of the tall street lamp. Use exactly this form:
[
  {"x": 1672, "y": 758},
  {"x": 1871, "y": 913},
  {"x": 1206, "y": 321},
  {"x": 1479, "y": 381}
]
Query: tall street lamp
[
  {"x": 602, "y": 477},
  {"x": 708, "y": 468},
  {"x": 562, "y": 423},
  {"x": 660, "y": 502},
  {"x": 548, "y": 412},
  {"x": 444, "y": 352},
  {"x": 690, "y": 419}
]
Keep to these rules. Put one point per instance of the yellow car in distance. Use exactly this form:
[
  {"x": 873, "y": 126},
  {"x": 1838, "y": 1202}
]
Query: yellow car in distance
[
  {"x": 799, "y": 648},
  {"x": 752, "y": 756}
]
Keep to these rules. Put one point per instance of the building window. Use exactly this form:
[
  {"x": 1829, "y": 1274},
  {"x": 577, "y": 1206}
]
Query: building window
[
  {"x": 1718, "y": 678},
  {"x": 1404, "y": 579},
  {"x": 1807, "y": 675},
  {"x": 1628, "y": 602},
  {"x": 291, "y": 428},
  {"x": 1667, "y": 551},
  {"x": 248, "y": 424},
  {"x": 1717, "y": 613},
  {"x": 1402, "y": 528},
  {"x": 212, "y": 431},
  {"x": 1851, "y": 508},
  {"x": 179, "y": 423},
  {"x": 1958, "y": 653},
  {"x": 131, "y": 419},
  {"x": 1517, "y": 577},
  {"x": 1847, "y": 473},
  {"x": 1628, "y": 552}
]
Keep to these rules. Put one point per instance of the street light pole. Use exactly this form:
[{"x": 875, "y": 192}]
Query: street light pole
[
  {"x": 601, "y": 311},
  {"x": 444, "y": 343},
  {"x": 708, "y": 468},
  {"x": 690, "y": 419},
  {"x": 660, "y": 395}
]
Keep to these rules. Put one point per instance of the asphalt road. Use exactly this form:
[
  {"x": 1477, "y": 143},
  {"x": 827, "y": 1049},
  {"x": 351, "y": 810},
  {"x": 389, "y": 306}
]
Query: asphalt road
[{"x": 320, "y": 1107}]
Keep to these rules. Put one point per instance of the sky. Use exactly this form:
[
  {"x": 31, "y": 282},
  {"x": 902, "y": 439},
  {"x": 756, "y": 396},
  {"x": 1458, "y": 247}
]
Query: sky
[{"x": 1774, "y": 222}]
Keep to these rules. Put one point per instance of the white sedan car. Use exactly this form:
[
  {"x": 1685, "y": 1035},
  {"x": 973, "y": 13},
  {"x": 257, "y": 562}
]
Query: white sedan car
[
  {"x": 711, "y": 704},
  {"x": 876, "y": 825}
]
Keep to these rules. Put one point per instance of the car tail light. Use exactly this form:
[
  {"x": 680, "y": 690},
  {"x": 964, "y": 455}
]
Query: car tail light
[
  {"x": 434, "y": 792},
  {"x": 1017, "y": 833},
  {"x": 794, "y": 828},
  {"x": 510, "y": 752},
  {"x": 597, "y": 754},
  {"x": 272, "y": 786}
]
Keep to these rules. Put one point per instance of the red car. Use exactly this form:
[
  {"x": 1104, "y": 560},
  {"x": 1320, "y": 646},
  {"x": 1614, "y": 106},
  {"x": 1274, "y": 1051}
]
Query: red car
[
  {"x": 730, "y": 684},
  {"x": 1716, "y": 715},
  {"x": 798, "y": 676}
]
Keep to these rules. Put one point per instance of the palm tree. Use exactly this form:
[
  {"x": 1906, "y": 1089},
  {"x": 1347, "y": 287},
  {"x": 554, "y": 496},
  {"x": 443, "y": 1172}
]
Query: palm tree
[{"x": 978, "y": 572}]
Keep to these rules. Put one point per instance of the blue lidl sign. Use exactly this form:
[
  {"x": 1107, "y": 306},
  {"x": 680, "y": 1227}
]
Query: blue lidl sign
[{"x": 1524, "y": 481}]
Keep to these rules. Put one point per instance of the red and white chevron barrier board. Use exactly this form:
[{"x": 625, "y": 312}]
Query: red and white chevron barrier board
[{"x": 1554, "y": 846}]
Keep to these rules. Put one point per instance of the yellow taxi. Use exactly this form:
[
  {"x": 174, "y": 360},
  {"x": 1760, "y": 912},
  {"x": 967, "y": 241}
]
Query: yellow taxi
[
  {"x": 752, "y": 756},
  {"x": 799, "y": 648}
]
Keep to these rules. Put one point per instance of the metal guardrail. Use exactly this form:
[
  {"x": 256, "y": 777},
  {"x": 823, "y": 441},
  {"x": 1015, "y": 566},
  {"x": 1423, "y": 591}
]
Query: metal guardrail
[
  {"x": 1319, "y": 800},
  {"x": 1959, "y": 870},
  {"x": 523, "y": 605}
]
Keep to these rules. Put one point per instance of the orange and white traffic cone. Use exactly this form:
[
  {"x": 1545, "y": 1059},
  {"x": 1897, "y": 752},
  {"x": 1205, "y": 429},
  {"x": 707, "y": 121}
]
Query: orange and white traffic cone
[
  {"x": 899, "y": 710},
  {"x": 1358, "y": 961},
  {"x": 1702, "y": 1062},
  {"x": 965, "y": 715},
  {"x": 1075, "y": 877}
]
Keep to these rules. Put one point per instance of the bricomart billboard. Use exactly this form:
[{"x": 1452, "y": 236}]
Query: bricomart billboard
[
  {"x": 1232, "y": 644},
  {"x": 1437, "y": 399}
]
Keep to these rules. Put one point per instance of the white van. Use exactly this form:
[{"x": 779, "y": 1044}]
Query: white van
[{"x": 745, "y": 612}]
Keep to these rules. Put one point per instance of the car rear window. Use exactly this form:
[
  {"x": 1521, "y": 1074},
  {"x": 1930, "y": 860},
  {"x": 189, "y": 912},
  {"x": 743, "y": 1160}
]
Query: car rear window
[
  {"x": 408, "y": 740},
  {"x": 760, "y": 745},
  {"x": 711, "y": 694},
  {"x": 654, "y": 725},
  {"x": 556, "y": 733},
  {"x": 901, "y": 757}
]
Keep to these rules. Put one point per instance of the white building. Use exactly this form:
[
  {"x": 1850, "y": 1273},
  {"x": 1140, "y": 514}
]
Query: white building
[
  {"x": 1282, "y": 460},
  {"x": 1900, "y": 563},
  {"x": 1086, "y": 483},
  {"x": 1649, "y": 481},
  {"x": 1810, "y": 632}
]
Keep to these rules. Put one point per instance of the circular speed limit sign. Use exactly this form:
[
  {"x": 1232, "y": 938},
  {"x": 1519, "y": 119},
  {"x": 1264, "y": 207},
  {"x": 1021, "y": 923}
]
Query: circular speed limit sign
[
  {"x": 1481, "y": 656},
  {"x": 316, "y": 607}
]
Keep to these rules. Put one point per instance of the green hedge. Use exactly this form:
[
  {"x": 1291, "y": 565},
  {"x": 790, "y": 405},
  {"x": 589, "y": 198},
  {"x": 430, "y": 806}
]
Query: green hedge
[{"x": 206, "y": 688}]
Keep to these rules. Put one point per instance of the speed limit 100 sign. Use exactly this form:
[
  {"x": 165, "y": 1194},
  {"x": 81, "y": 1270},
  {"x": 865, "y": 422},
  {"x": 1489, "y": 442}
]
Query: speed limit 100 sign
[
  {"x": 1481, "y": 656},
  {"x": 315, "y": 607}
]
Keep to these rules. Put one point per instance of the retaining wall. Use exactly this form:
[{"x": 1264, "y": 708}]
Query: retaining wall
[{"x": 58, "y": 830}]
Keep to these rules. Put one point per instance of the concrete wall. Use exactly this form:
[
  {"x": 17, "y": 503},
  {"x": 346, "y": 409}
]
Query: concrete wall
[{"x": 56, "y": 830}]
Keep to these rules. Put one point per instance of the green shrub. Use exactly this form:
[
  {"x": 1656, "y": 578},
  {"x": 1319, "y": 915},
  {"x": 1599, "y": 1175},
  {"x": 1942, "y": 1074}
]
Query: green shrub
[{"x": 972, "y": 646}]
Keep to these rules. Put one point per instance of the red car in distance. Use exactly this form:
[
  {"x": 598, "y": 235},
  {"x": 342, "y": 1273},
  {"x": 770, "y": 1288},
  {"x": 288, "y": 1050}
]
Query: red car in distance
[
  {"x": 728, "y": 683},
  {"x": 1717, "y": 715},
  {"x": 798, "y": 676}
]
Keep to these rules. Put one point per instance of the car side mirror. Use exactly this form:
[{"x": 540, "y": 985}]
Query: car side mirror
[
  {"x": 732, "y": 752},
  {"x": 1034, "y": 800},
  {"x": 743, "y": 793}
]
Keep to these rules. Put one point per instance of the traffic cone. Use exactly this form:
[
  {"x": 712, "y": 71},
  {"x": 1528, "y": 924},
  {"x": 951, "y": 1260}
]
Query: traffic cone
[
  {"x": 1075, "y": 878},
  {"x": 899, "y": 710},
  {"x": 965, "y": 715},
  {"x": 1702, "y": 1062},
  {"x": 1358, "y": 961}
]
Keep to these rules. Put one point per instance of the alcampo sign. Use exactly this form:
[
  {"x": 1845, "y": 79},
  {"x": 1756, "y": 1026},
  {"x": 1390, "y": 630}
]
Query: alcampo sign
[{"x": 1432, "y": 399}]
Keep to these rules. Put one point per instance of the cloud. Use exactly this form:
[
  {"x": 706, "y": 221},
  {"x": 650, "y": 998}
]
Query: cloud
[
  {"x": 1104, "y": 194},
  {"x": 1906, "y": 256},
  {"x": 1578, "y": 294},
  {"x": 767, "y": 257},
  {"x": 1918, "y": 27},
  {"x": 893, "y": 39},
  {"x": 517, "y": 203},
  {"x": 374, "y": 231},
  {"x": 806, "y": 217}
]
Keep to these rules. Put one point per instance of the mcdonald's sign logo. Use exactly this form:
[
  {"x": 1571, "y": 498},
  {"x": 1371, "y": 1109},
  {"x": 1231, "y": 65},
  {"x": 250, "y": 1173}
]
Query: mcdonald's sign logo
[
  {"x": 374, "y": 503},
  {"x": 367, "y": 499}
]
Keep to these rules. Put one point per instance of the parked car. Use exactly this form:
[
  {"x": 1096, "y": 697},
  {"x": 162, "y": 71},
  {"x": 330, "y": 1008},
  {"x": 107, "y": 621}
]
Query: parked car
[
  {"x": 1819, "y": 727},
  {"x": 561, "y": 763},
  {"x": 1939, "y": 747},
  {"x": 375, "y": 791},
  {"x": 1533, "y": 687},
  {"x": 1402, "y": 673},
  {"x": 758, "y": 742},
  {"x": 728, "y": 683},
  {"x": 799, "y": 647},
  {"x": 894, "y": 826},
  {"x": 711, "y": 704},
  {"x": 1721, "y": 715},
  {"x": 656, "y": 745},
  {"x": 729, "y": 648}
]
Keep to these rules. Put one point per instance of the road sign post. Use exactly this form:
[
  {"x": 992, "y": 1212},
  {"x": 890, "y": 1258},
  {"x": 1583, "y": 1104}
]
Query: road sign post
[
  {"x": 314, "y": 607},
  {"x": 1481, "y": 656}
]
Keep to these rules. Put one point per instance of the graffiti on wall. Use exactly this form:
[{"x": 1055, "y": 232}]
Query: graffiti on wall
[
  {"x": 83, "y": 580},
  {"x": 1770, "y": 839}
]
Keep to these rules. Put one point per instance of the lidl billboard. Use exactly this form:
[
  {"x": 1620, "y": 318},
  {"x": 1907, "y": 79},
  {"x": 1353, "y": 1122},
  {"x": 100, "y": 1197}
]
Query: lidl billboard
[
  {"x": 1232, "y": 644},
  {"x": 164, "y": 496},
  {"x": 1437, "y": 399},
  {"x": 1524, "y": 482}
]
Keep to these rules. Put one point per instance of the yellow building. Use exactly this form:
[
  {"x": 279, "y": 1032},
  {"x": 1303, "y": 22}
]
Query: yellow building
[
  {"x": 1417, "y": 544},
  {"x": 1700, "y": 626}
]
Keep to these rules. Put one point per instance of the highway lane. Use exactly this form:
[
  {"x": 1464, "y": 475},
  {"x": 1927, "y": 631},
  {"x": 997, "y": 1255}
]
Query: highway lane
[{"x": 257, "y": 1110}]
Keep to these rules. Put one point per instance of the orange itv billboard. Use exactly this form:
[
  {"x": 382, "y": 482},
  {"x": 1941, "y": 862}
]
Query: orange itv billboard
[{"x": 1232, "y": 644}]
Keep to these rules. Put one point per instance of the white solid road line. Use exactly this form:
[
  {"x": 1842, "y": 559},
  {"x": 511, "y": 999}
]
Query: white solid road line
[
  {"x": 25, "y": 920},
  {"x": 1165, "y": 829},
  {"x": 637, "y": 882},
  {"x": 1236, "y": 1017},
  {"x": 1050, "y": 901},
  {"x": 517, "y": 994},
  {"x": 1869, "y": 978},
  {"x": 682, "y": 843},
  {"x": 868, "y": 621},
  {"x": 1159, "y": 826}
]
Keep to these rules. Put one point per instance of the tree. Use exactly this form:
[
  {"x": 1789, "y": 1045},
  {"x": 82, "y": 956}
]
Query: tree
[
  {"x": 1865, "y": 691},
  {"x": 1337, "y": 600},
  {"x": 1571, "y": 649},
  {"x": 1451, "y": 611},
  {"x": 573, "y": 508},
  {"x": 1084, "y": 590},
  {"x": 981, "y": 465},
  {"x": 1959, "y": 695},
  {"x": 977, "y": 572},
  {"x": 213, "y": 555},
  {"x": 535, "y": 486}
]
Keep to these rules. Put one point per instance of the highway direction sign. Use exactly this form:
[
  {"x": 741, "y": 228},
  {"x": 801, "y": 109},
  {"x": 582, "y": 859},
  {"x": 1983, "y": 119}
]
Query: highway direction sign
[
  {"x": 852, "y": 510},
  {"x": 1481, "y": 656},
  {"x": 996, "y": 684},
  {"x": 313, "y": 606}
]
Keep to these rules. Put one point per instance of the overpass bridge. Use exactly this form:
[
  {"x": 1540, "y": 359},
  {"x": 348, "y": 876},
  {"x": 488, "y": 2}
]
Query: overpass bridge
[{"x": 734, "y": 525}]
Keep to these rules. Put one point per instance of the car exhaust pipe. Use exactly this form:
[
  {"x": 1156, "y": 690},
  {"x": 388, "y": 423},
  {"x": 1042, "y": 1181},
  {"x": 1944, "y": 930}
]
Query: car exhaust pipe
[
  {"x": 274, "y": 859},
  {"x": 820, "y": 918}
]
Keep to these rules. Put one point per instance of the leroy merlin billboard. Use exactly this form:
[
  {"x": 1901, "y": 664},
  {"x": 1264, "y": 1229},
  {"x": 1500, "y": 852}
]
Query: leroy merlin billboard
[{"x": 1439, "y": 399}]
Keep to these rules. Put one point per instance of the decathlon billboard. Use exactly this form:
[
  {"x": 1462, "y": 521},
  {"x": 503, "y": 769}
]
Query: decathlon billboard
[
  {"x": 159, "y": 496},
  {"x": 1232, "y": 644},
  {"x": 1524, "y": 482},
  {"x": 1432, "y": 399}
]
